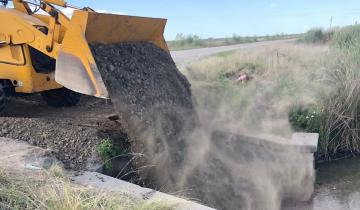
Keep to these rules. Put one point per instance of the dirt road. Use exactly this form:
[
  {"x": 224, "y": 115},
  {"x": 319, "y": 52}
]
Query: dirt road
[{"x": 185, "y": 56}]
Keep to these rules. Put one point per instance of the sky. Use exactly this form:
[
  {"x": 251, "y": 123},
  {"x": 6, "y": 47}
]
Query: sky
[{"x": 216, "y": 19}]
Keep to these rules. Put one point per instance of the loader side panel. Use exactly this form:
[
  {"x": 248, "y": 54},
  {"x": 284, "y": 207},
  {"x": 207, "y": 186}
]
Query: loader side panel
[
  {"x": 16, "y": 66},
  {"x": 12, "y": 54}
]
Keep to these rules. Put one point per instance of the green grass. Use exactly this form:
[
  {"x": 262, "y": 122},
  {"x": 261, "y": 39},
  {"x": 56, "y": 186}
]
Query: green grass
[
  {"x": 347, "y": 39},
  {"x": 49, "y": 191},
  {"x": 307, "y": 118},
  {"x": 107, "y": 151}
]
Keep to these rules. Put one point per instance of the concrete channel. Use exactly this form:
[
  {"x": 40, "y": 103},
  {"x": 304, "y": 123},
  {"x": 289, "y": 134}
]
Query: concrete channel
[{"x": 25, "y": 159}]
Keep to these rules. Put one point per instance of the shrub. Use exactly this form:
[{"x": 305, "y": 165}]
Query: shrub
[
  {"x": 306, "y": 119},
  {"x": 188, "y": 41},
  {"x": 342, "y": 122},
  {"x": 108, "y": 151},
  {"x": 313, "y": 36},
  {"x": 347, "y": 40}
]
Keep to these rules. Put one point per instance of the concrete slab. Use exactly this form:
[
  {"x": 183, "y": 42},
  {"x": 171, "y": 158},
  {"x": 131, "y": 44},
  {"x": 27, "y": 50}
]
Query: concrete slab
[
  {"x": 106, "y": 183},
  {"x": 22, "y": 158},
  {"x": 302, "y": 142},
  {"x": 308, "y": 141}
]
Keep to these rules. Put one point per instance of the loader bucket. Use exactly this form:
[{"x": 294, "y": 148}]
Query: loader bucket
[{"x": 76, "y": 68}]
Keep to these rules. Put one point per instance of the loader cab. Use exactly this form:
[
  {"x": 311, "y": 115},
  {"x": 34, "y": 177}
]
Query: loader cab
[{"x": 41, "y": 62}]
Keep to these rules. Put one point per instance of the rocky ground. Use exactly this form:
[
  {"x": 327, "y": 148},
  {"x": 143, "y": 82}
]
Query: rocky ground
[{"x": 71, "y": 133}]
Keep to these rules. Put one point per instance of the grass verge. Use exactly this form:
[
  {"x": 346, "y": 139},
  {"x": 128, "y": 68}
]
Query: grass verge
[
  {"x": 279, "y": 89},
  {"x": 52, "y": 190},
  {"x": 254, "y": 89}
]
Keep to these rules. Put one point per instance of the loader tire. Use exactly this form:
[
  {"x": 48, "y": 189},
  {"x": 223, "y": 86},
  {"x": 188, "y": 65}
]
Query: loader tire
[
  {"x": 2, "y": 98},
  {"x": 62, "y": 97}
]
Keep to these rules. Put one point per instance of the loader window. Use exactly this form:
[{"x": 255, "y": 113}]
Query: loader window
[
  {"x": 41, "y": 62},
  {"x": 43, "y": 29},
  {"x": 12, "y": 54}
]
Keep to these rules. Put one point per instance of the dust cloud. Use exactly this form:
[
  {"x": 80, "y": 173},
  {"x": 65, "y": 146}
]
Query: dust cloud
[
  {"x": 190, "y": 145},
  {"x": 228, "y": 170}
]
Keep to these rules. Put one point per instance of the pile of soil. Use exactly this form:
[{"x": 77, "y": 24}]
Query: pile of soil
[{"x": 154, "y": 101}]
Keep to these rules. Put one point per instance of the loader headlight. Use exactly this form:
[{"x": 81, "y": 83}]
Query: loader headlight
[{"x": 17, "y": 83}]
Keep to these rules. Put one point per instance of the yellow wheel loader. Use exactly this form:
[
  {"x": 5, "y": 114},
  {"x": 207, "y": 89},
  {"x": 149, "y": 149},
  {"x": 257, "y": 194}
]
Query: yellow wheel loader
[{"x": 49, "y": 53}]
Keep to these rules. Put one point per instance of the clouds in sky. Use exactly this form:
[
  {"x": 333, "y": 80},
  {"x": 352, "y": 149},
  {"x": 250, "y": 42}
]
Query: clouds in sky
[
  {"x": 273, "y": 5},
  {"x": 110, "y": 12},
  {"x": 69, "y": 12}
]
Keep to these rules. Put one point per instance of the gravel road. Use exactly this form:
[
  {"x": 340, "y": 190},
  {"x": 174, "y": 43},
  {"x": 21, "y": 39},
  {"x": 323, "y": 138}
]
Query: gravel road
[{"x": 185, "y": 56}]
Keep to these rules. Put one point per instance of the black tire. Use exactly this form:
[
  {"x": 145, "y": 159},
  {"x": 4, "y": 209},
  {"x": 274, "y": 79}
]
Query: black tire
[
  {"x": 2, "y": 98},
  {"x": 61, "y": 97}
]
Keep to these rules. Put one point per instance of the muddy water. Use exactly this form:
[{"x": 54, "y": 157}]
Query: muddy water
[{"x": 337, "y": 187}]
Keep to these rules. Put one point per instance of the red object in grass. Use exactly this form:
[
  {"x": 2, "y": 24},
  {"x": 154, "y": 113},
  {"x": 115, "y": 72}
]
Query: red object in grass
[{"x": 242, "y": 77}]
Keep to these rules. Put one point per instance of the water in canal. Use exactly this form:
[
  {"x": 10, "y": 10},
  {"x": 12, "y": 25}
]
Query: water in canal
[{"x": 337, "y": 187}]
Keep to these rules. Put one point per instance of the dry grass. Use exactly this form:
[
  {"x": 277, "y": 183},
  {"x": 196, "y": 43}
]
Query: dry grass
[
  {"x": 282, "y": 77},
  {"x": 52, "y": 190},
  {"x": 279, "y": 77},
  {"x": 341, "y": 121}
]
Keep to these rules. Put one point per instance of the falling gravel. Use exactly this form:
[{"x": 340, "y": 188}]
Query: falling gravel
[{"x": 154, "y": 101}]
